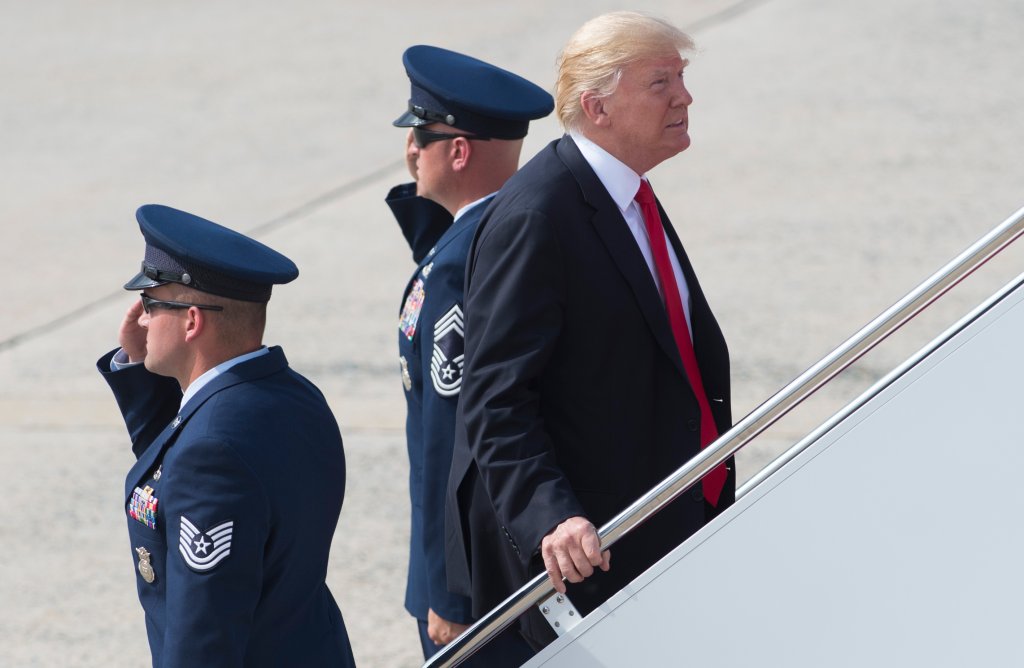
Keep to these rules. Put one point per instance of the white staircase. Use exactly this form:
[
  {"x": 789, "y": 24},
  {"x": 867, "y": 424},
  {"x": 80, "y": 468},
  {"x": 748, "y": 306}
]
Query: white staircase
[{"x": 892, "y": 536}]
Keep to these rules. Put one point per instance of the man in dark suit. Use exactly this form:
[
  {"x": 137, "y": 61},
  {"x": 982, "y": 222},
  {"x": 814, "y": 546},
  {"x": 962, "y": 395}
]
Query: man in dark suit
[
  {"x": 467, "y": 121},
  {"x": 594, "y": 367},
  {"x": 240, "y": 473}
]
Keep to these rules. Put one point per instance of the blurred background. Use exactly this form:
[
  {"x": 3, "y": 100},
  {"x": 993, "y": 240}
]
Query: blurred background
[{"x": 842, "y": 152}]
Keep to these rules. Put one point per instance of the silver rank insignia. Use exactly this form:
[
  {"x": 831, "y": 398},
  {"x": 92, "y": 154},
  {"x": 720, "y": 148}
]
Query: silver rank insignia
[
  {"x": 145, "y": 568},
  {"x": 202, "y": 550},
  {"x": 426, "y": 270},
  {"x": 447, "y": 358},
  {"x": 406, "y": 379}
]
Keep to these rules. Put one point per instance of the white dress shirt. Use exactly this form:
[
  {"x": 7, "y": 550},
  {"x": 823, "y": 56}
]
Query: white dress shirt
[
  {"x": 210, "y": 374},
  {"x": 622, "y": 183}
]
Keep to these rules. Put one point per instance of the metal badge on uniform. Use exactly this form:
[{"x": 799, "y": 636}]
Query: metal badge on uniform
[
  {"x": 406, "y": 379},
  {"x": 411, "y": 310},
  {"x": 447, "y": 358},
  {"x": 142, "y": 506},
  {"x": 202, "y": 550},
  {"x": 426, "y": 270},
  {"x": 145, "y": 568}
]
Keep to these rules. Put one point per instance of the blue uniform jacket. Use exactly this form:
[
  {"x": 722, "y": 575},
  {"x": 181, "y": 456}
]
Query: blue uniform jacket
[
  {"x": 422, "y": 221},
  {"x": 238, "y": 498},
  {"x": 430, "y": 343}
]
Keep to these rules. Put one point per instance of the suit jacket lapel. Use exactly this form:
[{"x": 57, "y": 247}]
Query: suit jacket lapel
[
  {"x": 255, "y": 368},
  {"x": 699, "y": 309},
  {"x": 621, "y": 245}
]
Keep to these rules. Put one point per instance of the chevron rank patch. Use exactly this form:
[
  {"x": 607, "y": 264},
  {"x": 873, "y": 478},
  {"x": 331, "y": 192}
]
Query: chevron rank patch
[
  {"x": 202, "y": 550},
  {"x": 449, "y": 345}
]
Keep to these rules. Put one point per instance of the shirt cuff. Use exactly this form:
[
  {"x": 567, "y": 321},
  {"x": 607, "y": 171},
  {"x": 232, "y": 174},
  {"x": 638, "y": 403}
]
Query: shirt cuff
[{"x": 120, "y": 361}]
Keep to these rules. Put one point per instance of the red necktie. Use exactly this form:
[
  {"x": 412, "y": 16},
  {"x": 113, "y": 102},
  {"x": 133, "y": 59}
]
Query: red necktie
[{"x": 714, "y": 481}]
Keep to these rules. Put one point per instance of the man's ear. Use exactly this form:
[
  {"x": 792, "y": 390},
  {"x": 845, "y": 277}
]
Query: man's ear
[
  {"x": 460, "y": 153},
  {"x": 194, "y": 323},
  {"x": 593, "y": 107}
]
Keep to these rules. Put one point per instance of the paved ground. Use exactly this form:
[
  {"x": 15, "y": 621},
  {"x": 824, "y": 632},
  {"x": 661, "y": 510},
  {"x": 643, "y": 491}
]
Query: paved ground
[{"x": 842, "y": 152}]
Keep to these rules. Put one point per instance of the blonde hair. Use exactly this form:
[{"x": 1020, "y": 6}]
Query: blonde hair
[{"x": 595, "y": 55}]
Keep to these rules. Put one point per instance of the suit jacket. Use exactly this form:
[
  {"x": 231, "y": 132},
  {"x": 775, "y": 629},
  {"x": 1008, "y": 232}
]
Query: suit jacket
[
  {"x": 430, "y": 345},
  {"x": 575, "y": 400},
  {"x": 234, "y": 500}
]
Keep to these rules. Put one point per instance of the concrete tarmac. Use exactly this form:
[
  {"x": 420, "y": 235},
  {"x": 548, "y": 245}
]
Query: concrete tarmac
[{"x": 842, "y": 152}]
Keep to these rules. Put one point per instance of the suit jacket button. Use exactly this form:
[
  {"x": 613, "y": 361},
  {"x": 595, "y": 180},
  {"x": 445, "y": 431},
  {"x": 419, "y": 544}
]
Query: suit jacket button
[
  {"x": 697, "y": 493},
  {"x": 692, "y": 424}
]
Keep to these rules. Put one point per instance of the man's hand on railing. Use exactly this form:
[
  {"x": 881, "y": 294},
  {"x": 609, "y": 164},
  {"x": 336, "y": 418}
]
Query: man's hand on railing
[
  {"x": 571, "y": 550},
  {"x": 442, "y": 631}
]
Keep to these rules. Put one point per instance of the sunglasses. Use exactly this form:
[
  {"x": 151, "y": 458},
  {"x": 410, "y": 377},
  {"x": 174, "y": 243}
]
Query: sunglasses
[
  {"x": 148, "y": 303},
  {"x": 422, "y": 137}
]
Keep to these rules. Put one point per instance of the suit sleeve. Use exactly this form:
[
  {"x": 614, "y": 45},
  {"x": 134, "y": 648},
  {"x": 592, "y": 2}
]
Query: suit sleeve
[
  {"x": 217, "y": 526},
  {"x": 514, "y": 304},
  {"x": 441, "y": 353},
  {"x": 148, "y": 402}
]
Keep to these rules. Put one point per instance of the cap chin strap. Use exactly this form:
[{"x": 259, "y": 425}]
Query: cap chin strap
[
  {"x": 434, "y": 116},
  {"x": 166, "y": 276}
]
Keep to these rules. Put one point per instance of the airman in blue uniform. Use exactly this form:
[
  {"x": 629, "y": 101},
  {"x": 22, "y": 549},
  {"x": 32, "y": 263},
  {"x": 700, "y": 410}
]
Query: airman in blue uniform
[
  {"x": 235, "y": 495},
  {"x": 467, "y": 120}
]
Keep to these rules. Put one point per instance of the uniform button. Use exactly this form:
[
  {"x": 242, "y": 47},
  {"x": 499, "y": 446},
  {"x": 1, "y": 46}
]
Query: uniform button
[
  {"x": 697, "y": 493},
  {"x": 691, "y": 424}
]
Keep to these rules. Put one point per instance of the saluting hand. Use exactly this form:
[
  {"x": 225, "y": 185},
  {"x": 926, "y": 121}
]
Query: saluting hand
[
  {"x": 572, "y": 550},
  {"x": 442, "y": 631},
  {"x": 132, "y": 335}
]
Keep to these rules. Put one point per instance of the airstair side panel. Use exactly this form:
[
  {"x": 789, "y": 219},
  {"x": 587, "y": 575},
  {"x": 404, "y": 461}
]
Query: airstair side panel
[{"x": 895, "y": 539}]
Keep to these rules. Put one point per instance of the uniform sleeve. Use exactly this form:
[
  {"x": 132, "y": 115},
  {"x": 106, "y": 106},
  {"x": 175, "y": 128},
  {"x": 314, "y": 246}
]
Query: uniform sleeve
[
  {"x": 422, "y": 220},
  {"x": 148, "y": 402},
  {"x": 217, "y": 526},
  {"x": 514, "y": 305},
  {"x": 441, "y": 360}
]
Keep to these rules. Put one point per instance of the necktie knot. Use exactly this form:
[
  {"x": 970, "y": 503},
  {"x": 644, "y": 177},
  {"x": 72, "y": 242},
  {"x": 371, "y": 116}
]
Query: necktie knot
[{"x": 645, "y": 195}]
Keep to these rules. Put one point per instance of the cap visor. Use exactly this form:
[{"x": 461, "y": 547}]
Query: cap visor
[
  {"x": 410, "y": 120},
  {"x": 141, "y": 282}
]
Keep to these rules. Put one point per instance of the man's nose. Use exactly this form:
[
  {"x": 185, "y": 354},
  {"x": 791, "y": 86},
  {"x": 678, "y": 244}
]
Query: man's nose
[{"x": 682, "y": 95}]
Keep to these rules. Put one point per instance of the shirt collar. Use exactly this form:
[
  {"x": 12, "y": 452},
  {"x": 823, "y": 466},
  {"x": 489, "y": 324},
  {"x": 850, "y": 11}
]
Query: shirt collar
[
  {"x": 620, "y": 181},
  {"x": 463, "y": 210},
  {"x": 203, "y": 380}
]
